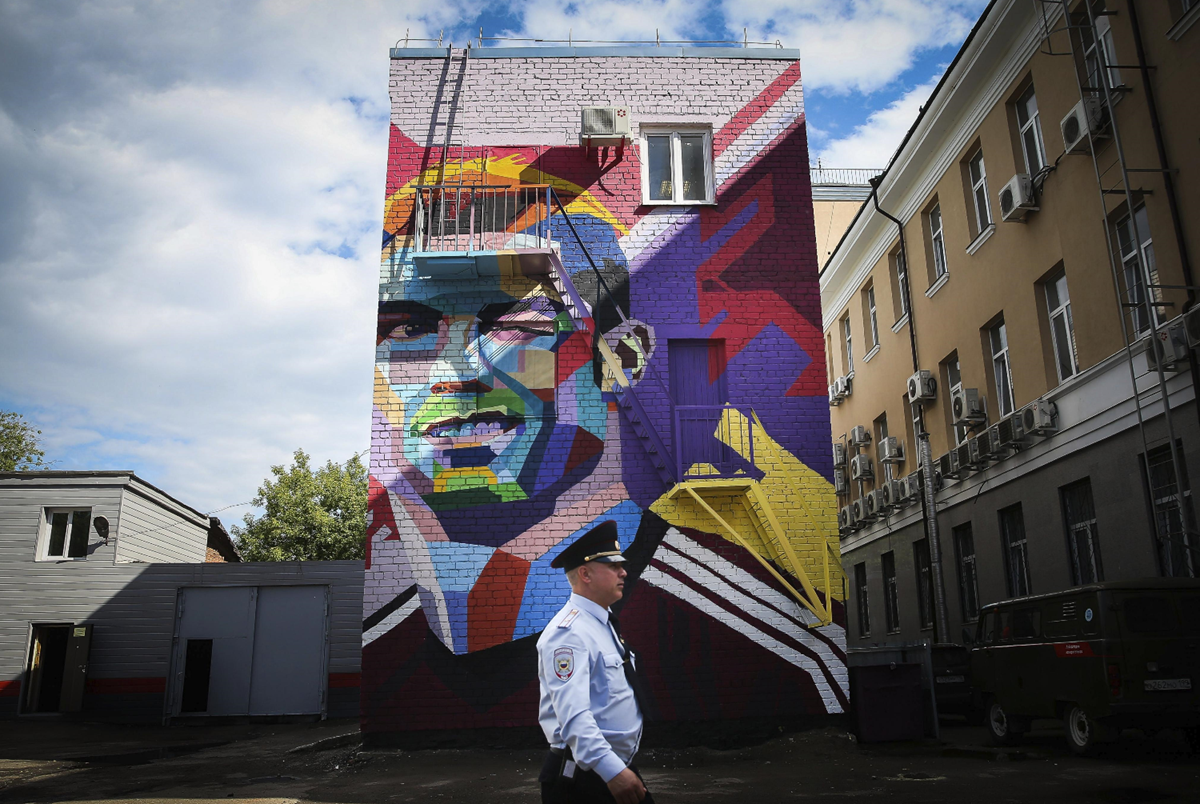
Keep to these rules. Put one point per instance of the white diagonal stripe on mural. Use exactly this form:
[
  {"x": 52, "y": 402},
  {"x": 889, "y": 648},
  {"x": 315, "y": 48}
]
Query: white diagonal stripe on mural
[
  {"x": 677, "y": 588},
  {"x": 754, "y": 608},
  {"x": 391, "y": 621}
]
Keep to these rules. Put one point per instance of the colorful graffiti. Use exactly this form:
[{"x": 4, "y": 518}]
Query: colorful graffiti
[{"x": 502, "y": 430}]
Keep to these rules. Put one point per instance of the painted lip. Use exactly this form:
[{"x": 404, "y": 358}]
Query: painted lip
[{"x": 473, "y": 430}]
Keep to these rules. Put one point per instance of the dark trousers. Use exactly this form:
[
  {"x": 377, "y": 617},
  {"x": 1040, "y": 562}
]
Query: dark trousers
[{"x": 586, "y": 788}]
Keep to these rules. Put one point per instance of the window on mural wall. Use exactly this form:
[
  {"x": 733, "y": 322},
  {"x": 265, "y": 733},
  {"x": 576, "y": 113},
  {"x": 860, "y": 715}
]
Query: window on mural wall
[{"x": 677, "y": 166}]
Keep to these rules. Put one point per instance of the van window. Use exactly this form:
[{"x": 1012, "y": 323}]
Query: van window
[
  {"x": 1027, "y": 623},
  {"x": 986, "y": 633},
  {"x": 1062, "y": 618},
  {"x": 1189, "y": 611},
  {"x": 1004, "y": 631},
  {"x": 1149, "y": 615}
]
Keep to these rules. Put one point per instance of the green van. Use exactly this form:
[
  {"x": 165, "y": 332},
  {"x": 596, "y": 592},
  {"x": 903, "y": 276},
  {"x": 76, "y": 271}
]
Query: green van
[{"x": 1102, "y": 657}]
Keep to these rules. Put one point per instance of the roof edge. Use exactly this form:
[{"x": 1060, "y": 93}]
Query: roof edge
[{"x": 611, "y": 51}]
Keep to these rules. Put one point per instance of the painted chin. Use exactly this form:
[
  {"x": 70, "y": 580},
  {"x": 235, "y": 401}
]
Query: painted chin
[{"x": 472, "y": 431}]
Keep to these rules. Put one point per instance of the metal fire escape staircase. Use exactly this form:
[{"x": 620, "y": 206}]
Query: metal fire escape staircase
[
  {"x": 1094, "y": 79},
  {"x": 457, "y": 227}
]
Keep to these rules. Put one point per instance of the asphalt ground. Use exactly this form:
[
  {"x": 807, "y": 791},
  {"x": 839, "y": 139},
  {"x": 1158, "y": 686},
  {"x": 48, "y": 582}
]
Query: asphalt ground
[{"x": 52, "y": 760}]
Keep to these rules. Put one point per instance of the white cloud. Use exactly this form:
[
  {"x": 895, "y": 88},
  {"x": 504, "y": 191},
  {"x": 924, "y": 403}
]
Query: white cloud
[{"x": 873, "y": 143}]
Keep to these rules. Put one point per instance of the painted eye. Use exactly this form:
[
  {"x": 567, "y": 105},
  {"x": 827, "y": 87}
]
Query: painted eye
[{"x": 412, "y": 329}]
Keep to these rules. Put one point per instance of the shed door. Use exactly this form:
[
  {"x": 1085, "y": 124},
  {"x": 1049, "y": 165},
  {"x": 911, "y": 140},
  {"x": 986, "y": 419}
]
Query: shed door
[
  {"x": 224, "y": 617},
  {"x": 289, "y": 651}
]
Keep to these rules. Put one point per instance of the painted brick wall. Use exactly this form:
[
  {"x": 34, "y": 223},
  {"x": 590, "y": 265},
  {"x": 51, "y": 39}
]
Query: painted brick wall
[{"x": 498, "y": 437}]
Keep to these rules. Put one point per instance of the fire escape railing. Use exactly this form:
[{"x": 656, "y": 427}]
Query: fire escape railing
[
  {"x": 711, "y": 441},
  {"x": 450, "y": 217}
]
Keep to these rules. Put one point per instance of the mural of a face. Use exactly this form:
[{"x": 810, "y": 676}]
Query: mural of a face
[{"x": 493, "y": 378}]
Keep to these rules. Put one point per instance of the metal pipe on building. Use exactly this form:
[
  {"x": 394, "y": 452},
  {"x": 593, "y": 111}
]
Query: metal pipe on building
[{"x": 941, "y": 623}]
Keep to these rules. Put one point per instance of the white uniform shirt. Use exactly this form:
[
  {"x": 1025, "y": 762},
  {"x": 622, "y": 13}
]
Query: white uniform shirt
[{"x": 586, "y": 701}]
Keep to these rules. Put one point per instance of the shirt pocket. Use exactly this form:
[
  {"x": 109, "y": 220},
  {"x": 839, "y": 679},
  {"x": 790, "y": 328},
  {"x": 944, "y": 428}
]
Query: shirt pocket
[{"x": 614, "y": 672}]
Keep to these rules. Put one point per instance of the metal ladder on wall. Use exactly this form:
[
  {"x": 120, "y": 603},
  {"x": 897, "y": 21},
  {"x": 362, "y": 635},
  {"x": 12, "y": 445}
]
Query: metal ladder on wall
[
  {"x": 746, "y": 489},
  {"x": 1093, "y": 75}
]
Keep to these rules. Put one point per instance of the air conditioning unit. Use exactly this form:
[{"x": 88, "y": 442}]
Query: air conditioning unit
[
  {"x": 874, "y": 503},
  {"x": 1016, "y": 198},
  {"x": 891, "y": 450},
  {"x": 1086, "y": 117},
  {"x": 1040, "y": 418},
  {"x": 947, "y": 466},
  {"x": 839, "y": 454},
  {"x": 846, "y": 518},
  {"x": 982, "y": 449},
  {"x": 840, "y": 484},
  {"x": 834, "y": 398},
  {"x": 859, "y": 511},
  {"x": 922, "y": 387},
  {"x": 843, "y": 386},
  {"x": 860, "y": 436},
  {"x": 910, "y": 489},
  {"x": 604, "y": 125},
  {"x": 893, "y": 494},
  {"x": 967, "y": 407},
  {"x": 1191, "y": 326},
  {"x": 860, "y": 468},
  {"x": 1008, "y": 434},
  {"x": 1168, "y": 346},
  {"x": 965, "y": 464}
]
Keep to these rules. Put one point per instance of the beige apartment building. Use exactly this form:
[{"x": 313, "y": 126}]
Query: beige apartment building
[{"x": 1048, "y": 195}]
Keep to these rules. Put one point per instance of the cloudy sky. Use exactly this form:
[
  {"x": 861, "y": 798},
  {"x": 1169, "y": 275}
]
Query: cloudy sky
[{"x": 192, "y": 193}]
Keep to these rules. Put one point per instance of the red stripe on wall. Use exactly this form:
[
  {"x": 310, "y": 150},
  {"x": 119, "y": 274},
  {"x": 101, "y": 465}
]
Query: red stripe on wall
[
  {"x": 341, "y": 680},
  {"x": 126, "y": 686},
  {"x": 10, "y": 689},
  {"x": 752, "y": 111}
]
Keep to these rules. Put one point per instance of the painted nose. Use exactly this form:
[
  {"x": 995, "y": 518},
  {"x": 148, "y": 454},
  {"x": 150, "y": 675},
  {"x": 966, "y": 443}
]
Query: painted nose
[{"x": 465, "y": 387}]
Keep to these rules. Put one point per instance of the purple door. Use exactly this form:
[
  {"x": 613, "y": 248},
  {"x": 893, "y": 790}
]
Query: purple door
[{"x": 696, "y": 368}]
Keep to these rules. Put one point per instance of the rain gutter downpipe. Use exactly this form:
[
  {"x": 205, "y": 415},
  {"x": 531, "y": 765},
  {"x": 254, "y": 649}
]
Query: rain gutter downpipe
[{"x": 924, "y": 455}]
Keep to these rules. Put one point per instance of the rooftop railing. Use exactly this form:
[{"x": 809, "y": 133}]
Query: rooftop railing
[
  {"x": 481, "y": 217},
  {"x": 852, "y": 176}
]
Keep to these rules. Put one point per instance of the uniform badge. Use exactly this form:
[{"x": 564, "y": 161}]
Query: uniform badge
[
  {"x": 564, "y": 663},
  {"x": 570, "y": 618}
]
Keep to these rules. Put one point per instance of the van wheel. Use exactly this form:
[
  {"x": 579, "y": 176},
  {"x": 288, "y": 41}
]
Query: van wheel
[
  {"x": 1084, "y": 734},
  {"x": 1004, "y": 730}
]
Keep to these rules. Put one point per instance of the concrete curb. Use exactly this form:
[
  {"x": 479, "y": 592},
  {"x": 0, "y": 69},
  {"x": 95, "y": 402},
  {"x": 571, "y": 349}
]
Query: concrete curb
[{"x": 326, "y": 743}]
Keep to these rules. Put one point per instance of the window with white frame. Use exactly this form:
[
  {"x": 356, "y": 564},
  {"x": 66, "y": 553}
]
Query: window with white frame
[
  {"x": 1032, "y": 144},
  {"x": 939, "y": 242},
  {"x": 1133, "y": 237},
  {"x": 901, "y": 273},
  {"x": 872, "y": 319},
  {"x": 1099, "y": 53},
  {"x": 968, "y": 577},
  {"x": 891, "y": 593},
  {"x": 863, "y": 599},
  {"x": 1175, "y": 519},
  {"x": 998, "y": 337},
  {"x": 677, "y": 166},
  {"x": 1016, "y": 551},
  {"x": 1062, "y": 327},
  {"x": 983, "y": 212},
  {"x": 849, "y": 344},
  {"x": 64, "y": 533},
  {"x": 1083, "y": 541}
]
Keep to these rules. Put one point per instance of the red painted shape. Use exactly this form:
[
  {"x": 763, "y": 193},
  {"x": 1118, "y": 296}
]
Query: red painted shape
[
  {"x": 585, "y": 446},
  {"x": 10, "y": 689},
  {"x": 755, "y": 308},
  {"x": 573, "y": 353},
  {"x": 126, "y": 686},
  {"x": 379, "y": 514},
  {"x": 1064, "y": 650},
  {"x": 755, "y": 109},
  {"x": 338, "y": 681},
  {"x": 495, "y": 601}
]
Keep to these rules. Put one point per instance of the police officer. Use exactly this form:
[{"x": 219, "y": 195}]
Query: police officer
[{"x": 588, "y": 709}]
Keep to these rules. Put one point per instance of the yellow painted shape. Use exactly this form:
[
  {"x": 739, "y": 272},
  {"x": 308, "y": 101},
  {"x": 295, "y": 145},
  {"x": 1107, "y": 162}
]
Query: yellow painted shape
[
  {"x": 457, "y": 479},
  {"x": 800, "y": 501}
]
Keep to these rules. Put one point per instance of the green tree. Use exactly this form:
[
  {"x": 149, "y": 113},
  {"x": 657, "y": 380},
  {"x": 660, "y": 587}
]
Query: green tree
[
  {"x": 309, "y": 515},
  {"x": 19, "y": 444}
]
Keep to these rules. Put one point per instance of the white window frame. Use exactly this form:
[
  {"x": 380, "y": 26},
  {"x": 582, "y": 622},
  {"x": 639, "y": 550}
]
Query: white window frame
[
  {"x": 983, "y": 214},
  {"x": 1132, "y": 269},
  {"x": 1034, "y": 124},
  {"x": 902, "y": 283},
  {"x": 938, "y": 239},
  {"x": 847, "y": 337},
  {"x": 44, "y": 533},
  {"x": 874, "y": 318},
  {"x": 675, "y": 131},
  {"x": 1058, "y": 286},
  {"x": 999, "y": 358},
  {"x": 1102, "y": 50}
]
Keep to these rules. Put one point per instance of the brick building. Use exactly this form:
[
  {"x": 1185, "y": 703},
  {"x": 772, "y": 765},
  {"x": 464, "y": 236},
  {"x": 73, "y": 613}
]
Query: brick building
[{"x": 598, "y": 301}]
